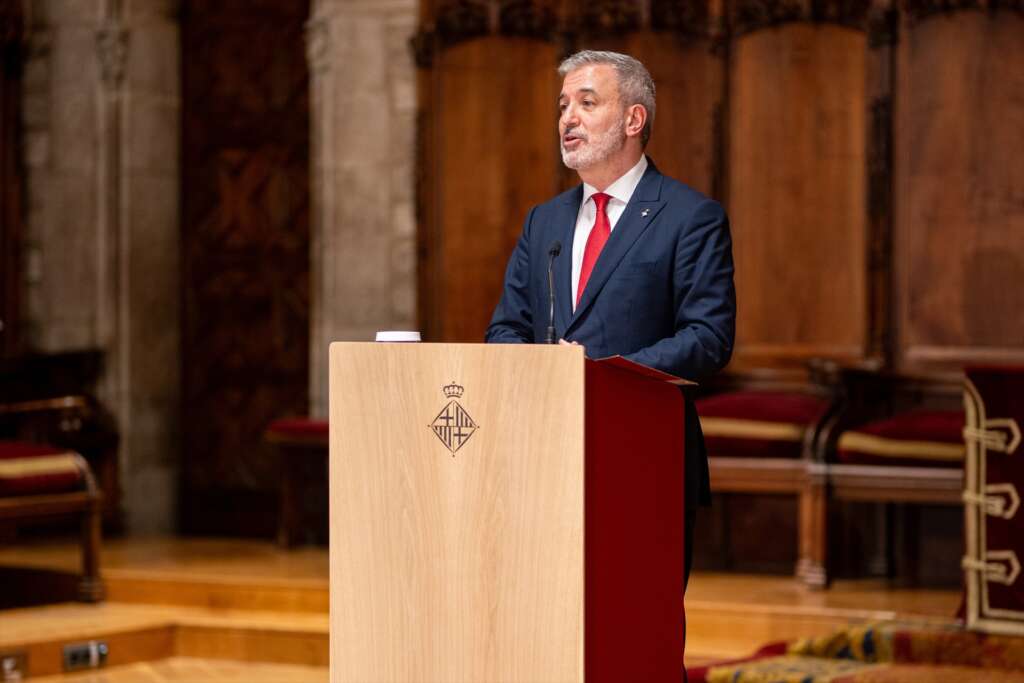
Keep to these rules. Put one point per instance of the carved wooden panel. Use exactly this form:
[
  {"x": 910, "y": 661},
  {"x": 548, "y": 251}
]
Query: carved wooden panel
[
  {"x": 11, "y": 186},
  {"x": 245, "y": 246},
  {"x": 796, "y": 192},
  {"x": 492, "y": 154},
  {"x": 959, "y": 232}
]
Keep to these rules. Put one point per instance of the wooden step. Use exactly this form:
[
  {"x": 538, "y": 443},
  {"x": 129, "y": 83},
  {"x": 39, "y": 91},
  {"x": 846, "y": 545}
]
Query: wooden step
[{"x": 137, "y": 633}]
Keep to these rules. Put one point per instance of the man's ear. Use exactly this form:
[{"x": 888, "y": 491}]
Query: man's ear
[{"x": 636, "y": 117}]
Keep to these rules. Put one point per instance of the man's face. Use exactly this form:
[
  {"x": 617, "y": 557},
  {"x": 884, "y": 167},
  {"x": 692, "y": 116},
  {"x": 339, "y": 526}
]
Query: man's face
[{"x": 592, "y": 125}]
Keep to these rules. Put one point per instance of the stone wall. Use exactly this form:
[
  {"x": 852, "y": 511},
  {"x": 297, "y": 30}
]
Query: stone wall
[
  {"x": 101, "y": 111},
  {"x": 363, "y": 137},
  {"x": 102, "y": 115}
]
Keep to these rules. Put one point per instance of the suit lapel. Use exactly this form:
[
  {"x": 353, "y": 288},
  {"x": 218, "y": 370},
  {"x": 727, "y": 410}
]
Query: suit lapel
[
  {"x": 641, "y": 210},
  {"x": 565, "y": 229}
]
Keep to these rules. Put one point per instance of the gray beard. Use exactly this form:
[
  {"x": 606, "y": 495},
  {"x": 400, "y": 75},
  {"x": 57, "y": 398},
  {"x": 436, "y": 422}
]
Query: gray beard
[{"x": 595, "y": 150}]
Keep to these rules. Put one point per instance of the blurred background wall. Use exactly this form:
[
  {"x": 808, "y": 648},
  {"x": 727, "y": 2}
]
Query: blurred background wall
[{"x": 209, "y": 193}]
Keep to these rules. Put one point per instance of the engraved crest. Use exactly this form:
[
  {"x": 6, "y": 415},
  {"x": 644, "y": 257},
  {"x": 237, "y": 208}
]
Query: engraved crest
[{"x": 453, "y": 425}]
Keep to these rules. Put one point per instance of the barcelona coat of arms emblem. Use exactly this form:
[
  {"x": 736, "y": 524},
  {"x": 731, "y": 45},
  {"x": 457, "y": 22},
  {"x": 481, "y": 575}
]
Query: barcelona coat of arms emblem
[{"x": 453, "y": 425}]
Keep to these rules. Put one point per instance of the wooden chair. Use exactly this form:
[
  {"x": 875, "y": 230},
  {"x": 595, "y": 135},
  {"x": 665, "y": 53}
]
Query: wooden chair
[
  {"x": 895, "y": 439},
  {"x": 760, "y": 428},
  {"x": 298, "y": 441},
  {"x": 39, "y": 482},
  {"x": 49, "y": 398}
]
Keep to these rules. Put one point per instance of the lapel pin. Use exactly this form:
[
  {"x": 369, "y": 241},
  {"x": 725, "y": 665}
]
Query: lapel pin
[{"x": 643, "y": 214}]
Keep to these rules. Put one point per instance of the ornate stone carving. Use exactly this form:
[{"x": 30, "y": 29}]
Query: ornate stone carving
[
  {"x": 318, "y": 45},
  {"x": 527, "y": 18},
  {"x": 751, "y": 15},
  {"x": 608, "y": 17},
  {"x": 112, "y": 51},
  {"x": 682, "y": 17}
]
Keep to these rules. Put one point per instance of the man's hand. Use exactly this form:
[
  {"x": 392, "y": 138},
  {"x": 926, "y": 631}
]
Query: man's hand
[{"x": 562, "y": 342}]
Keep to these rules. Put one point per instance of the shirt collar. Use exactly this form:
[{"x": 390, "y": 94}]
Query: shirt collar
[{"x": 623, "y": 188}]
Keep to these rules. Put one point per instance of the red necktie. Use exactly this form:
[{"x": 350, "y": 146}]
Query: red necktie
[{"x": 595, "y": 243}]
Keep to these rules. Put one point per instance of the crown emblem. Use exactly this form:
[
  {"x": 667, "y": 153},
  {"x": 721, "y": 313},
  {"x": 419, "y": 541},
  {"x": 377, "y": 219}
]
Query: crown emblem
[{"x": 453, "y": 390}]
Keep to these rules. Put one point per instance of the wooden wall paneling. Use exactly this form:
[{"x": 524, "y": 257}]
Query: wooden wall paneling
[
  {"x": 494, "y": 156},
  {"x": 245, "y": 251},
  {"x": 11, "y": 185},
  {"x": 959, "y": 165},
  {"x": 796, "y": 192},
  {"x": 688, "y": 79}
]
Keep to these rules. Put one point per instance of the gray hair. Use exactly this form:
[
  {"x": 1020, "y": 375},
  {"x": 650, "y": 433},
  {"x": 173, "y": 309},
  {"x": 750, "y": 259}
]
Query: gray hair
[{"x": 635, "y": 83}]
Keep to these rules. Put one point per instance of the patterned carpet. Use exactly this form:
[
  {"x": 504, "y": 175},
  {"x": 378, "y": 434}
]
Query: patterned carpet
[{"x": 893, "y": 653}]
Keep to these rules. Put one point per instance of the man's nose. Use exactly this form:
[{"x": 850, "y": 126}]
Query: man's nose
[{"x": 569, "y": 116}]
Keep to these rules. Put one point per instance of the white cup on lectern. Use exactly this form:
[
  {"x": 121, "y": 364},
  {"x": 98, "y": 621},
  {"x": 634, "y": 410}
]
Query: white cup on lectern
[{"x": 398, "y": 336}]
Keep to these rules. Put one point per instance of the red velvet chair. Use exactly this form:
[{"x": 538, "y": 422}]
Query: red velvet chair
[
  {"x": 760, "y": 433},
  {"x": 40, "y": 482},
  {"x": 896, "y": 441}
]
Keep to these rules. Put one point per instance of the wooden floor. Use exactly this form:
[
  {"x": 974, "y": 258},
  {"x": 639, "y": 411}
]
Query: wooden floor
[{"x": 218, "y": 610}]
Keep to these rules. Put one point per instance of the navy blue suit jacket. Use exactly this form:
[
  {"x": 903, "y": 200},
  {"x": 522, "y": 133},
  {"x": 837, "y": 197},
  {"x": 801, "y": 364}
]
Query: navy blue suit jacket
[{"x": 661, "y": 292}]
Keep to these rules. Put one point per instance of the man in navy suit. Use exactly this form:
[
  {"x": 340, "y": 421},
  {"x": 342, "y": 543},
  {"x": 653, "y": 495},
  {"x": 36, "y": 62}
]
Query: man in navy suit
[{"x": 645, "y": 266}]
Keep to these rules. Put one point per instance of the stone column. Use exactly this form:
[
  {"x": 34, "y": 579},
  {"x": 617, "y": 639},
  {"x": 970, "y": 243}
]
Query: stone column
[
  {"x": 148, "y": 332},
  {"x": 363, "y": 134},
  {"x": 102, "y": 116}
]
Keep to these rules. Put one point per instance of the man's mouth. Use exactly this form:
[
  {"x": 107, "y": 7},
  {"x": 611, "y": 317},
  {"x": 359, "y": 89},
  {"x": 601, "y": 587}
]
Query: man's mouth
[{"x": 572, "y": 140}]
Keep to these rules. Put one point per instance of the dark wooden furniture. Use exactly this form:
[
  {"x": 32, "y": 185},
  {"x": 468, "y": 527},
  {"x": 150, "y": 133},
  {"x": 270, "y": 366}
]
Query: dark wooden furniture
[
  {"x": 301, "y": 445},
  {"x": 49, "y": 398},
  {"x": 40, "y": 482},
  {"x": 895, "y": 439},
  {"x": 760, "y": 428}
]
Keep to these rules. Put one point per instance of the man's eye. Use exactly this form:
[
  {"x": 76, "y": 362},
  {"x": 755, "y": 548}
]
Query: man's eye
[{"x": 588, "y": 103}]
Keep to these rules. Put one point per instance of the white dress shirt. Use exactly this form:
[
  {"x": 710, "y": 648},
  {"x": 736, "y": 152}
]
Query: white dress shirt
[{"x": 620, "y": 191}]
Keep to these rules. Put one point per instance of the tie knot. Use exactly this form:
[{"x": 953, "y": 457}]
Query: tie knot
[{"x": 601, "y": 201}]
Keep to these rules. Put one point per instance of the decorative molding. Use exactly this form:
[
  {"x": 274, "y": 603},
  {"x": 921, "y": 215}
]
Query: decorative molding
[
  {"x": 752, "y": 15},
  {"x": 456, "y": 22},
  {"x": 318, "y": 45},
  {"x": 919, "y": 10},
  {"x": 527, "y": 18},
  {"x": 608, "y": 17},
  {"x": 461, "y": 20},
  {"x": 112, "y": 50},
  {"x": 686, "y": 18}
]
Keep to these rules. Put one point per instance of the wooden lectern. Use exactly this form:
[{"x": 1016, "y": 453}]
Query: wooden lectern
[{"x": 503, "y": 513}]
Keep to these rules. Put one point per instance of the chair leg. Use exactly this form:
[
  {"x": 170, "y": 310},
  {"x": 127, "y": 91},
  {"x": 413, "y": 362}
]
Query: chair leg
[
  {"x": 91, "y": 588},
  {"x": 812, "y": 566},
  {"x": 287, "y": 522}
]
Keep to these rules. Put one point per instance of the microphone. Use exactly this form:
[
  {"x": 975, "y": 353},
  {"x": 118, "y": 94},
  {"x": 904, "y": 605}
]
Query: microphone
[{"x": 554, "y": 250}]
